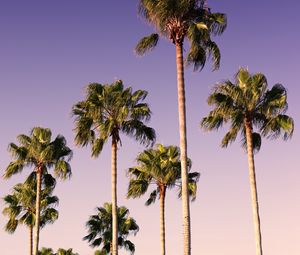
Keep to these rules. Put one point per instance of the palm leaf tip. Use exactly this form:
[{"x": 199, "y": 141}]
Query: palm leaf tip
[{"x": 147, "y": 43}]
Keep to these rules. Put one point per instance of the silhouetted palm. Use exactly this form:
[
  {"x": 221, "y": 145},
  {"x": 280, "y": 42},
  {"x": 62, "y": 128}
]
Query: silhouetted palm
[{"x": 100, "y": 229}]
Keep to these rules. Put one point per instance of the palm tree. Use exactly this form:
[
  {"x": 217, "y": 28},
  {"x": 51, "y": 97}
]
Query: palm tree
[
  {"x": 20, "y": 207},
  {"x": 39, "y": 152},
  {"x": 108, "y": 111},
  {"x": 160, "y": 166},
  {"x": 176, "y": 21},
  {"x": 46, "y": 251},
  {"x": 248, "y": 104},
  {"x": 100, "y": 229},
  {"x": 60, "y": 251}
]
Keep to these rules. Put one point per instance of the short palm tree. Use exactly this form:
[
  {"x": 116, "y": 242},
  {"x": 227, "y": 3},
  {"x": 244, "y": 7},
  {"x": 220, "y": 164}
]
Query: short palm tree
[
  {"x": 248, "y": 104},
  {"x": 160, "y": 166},
  {"x": 40, "y": 153},
  {"x": 60, "y": 251},
  {"x": 177, "y": 21},
  {"x": 46, "y": 251},
  {"x": 108, "y": 111},
  {"x": 20, "y": 208},
  {"x": 100, "y": 229}
]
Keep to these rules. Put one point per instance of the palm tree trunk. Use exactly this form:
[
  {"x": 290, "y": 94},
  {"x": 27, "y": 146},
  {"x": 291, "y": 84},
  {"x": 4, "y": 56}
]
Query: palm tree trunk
[
  {"x": 37, "y": 209},
  {"x": 183, "y": 151},
  {"x": 114, "y": 196},
  {"x": 162, "y": 219},
  {"x": 30, "y": 240},
  {"x": 255, "y": 208}
]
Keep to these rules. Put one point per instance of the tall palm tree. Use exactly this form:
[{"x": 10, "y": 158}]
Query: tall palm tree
[
  {"x": 100, "y": 229},
  {"x": 40, "y": 153},
  {"x": 176, "y": 21},
  {"x": 20, "y": 208},
  {"x": 247, "y": 104},
  {"x": 108, "y": 111},
  {"x": 162, "y": 167}
]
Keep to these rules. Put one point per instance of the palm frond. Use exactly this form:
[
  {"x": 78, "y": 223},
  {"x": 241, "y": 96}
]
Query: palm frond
[{"x": 146, "y": 44}]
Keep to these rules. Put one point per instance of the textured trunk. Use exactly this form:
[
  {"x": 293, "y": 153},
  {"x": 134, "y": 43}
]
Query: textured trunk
[
  {"x": 255, "y": 208},
  {"x": 162, "y": 219},
  {"x": 37, "y": 209},
  {"x": 30, "y": 240},
  {"x": 114, "y": 196},
  {"x": 183, "y": 151}
]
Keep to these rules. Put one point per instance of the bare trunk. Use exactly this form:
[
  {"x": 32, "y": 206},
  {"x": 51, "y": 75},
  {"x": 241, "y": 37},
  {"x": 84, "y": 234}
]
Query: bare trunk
[
  {"x": 162, "y": 219},
  {"x": 37, "y": 209},
  {"x": 255, "y": 208},
  {"x": 183, "y": 151},
  {"x": 30, "y": 240},
  {"x": 114, "y": 196}
]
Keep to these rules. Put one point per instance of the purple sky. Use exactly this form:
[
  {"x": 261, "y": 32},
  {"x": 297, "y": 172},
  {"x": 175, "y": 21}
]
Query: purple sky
[{"x": 50, "y": 50}]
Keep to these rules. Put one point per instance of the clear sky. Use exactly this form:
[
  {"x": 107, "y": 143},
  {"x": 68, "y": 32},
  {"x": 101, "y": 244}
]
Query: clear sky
[{"x": 50, "y": 50}]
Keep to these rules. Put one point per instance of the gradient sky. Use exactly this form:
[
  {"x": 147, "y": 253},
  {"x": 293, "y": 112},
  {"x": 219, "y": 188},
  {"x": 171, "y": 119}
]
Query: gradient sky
[{"x": 50, "y": 50}]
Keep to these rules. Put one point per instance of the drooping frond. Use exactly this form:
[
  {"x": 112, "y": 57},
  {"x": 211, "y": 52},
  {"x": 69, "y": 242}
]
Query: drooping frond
[{"x": 146, "y": 44}]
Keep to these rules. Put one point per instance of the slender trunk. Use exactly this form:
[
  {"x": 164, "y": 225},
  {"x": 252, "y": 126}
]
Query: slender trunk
[
  {"x": 30, "y": 240},
  {"x": 162, "y": 219},
  {"x": 183, "y": 151},
  {"x": 255, "y": 208},
  {"x": 37, "y": 209},
  {"x": 114, "y": 196}
]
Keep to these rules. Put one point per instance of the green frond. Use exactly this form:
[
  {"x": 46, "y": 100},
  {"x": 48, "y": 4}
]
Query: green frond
[
  {"x": 137, "y": 188},
  {"x": 193, "y": 179},
  {"x": 138, "y": 130},
  {"x": 13, "y": 168},
  {"x": 256, "y": 142},
  {"x": 146, "y": 44},
  {"x": 196, "y": 57},
  {"x": 62, "y": 169},
  {"x": 152, "y": 197},
  {"x": 214, "y": 53},
  {"x": 97, "y": 146},
  {"x": 230, "y": 137},
  {"x": 218, "y": 23},
  {"x": 212, "y": 121},
  {"x": 280, "y": 124}
]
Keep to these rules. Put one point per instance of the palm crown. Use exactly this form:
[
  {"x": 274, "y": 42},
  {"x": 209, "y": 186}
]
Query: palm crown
[
  {"x": 160, "y": 166},
  {"x": 20, "y": 206},
  {"x": 100, "y": 229},
  {"x": 180, "y": 19},
  {"x": 60, "y": 251},
  {"x": 248, "y": 103},
  {"x": 38, "y": 151},
  {"x": 109, "y": 110}
]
